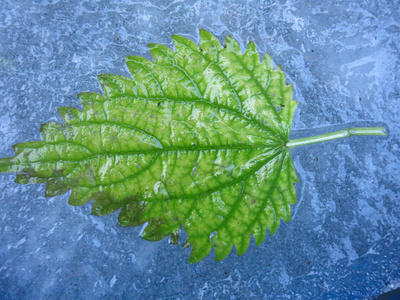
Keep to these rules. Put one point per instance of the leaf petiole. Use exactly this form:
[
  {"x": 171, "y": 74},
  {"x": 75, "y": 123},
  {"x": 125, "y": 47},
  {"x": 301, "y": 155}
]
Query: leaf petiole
[{"x": 337, "y": 135}]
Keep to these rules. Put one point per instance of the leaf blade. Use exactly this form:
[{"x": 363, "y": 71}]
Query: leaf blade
[{"x": 196, "y": 137}]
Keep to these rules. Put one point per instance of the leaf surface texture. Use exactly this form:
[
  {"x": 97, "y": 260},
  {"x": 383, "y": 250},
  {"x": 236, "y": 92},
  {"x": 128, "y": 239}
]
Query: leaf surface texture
[{"x": 196, "y": 137}]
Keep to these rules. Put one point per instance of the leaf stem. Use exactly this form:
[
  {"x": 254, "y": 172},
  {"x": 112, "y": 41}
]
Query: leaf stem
[{"x": 337, "y": 135}]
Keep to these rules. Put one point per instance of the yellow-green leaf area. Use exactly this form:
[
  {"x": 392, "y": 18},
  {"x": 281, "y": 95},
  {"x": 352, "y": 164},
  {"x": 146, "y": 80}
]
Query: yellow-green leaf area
[{"x": 195, "y": 138}]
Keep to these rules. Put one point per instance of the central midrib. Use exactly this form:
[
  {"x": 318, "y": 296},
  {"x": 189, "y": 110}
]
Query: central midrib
[{"x": 150, "y": 151}]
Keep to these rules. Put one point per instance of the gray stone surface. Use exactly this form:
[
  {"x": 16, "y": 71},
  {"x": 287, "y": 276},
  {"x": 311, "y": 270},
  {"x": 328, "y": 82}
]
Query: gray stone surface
[{"x": 343, "y": 242}]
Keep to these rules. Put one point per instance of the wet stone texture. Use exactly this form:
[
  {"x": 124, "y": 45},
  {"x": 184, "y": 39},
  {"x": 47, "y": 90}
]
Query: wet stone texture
[{"x": 343, "y": 241}]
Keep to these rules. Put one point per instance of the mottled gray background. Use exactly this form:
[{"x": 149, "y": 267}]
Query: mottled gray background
[{"x": 343, "y": 242}]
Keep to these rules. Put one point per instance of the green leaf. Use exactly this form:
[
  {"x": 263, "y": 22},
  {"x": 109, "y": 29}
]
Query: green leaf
[{"x": 198, "y": 137}]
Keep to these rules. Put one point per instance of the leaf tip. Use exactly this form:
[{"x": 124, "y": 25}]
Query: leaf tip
[{"x": 6, "y": 165}]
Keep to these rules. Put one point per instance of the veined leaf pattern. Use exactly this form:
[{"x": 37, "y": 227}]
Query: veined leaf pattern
[{"x": 196, "y": 137}]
